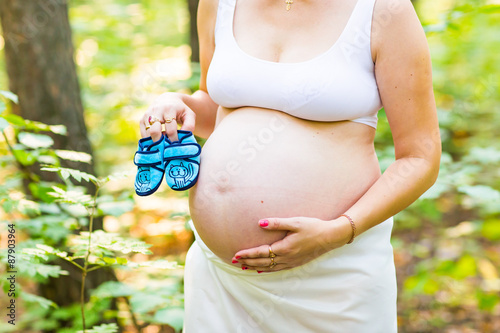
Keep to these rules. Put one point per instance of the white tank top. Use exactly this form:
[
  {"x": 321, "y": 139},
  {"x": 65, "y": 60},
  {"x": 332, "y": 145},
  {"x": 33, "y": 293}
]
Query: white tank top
[{"x": 338, "y": 84}]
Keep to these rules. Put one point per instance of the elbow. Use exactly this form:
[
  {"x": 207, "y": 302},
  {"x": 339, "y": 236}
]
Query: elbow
[{"x": 434, "y": 164}]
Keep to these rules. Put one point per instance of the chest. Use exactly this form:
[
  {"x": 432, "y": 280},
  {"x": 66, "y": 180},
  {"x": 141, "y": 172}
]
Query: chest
[{"x": 266, "y": 30}]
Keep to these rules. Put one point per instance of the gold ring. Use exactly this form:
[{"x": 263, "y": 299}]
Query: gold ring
[
  {"x": 273, "y": 263},
  {"x": 148, "y": 127},
  {"x": 153, "y": 119},
  {"x": 271, "y": 253},
  {"x": 169, "y": 120}
]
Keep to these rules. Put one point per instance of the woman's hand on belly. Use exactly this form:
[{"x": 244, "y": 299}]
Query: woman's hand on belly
[{"x": 306, "y": 239}]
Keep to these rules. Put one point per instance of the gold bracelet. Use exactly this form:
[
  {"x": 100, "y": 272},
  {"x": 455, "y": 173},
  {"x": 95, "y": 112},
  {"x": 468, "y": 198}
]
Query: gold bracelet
[{"x": 353, "y": 227}]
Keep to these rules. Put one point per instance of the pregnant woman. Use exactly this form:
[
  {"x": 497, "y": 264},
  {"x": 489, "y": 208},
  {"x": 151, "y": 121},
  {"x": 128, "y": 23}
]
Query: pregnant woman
[{"x": 291, "y": 214}]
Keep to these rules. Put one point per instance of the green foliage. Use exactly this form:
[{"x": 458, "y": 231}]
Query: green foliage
[
  {"x": 104, "y": 328},
  {"x": 171, "y": 316},
  {"x": 50, "y": 220},
  {"x": 449, "y": 237},
  {"x": 161, "y": 305}
]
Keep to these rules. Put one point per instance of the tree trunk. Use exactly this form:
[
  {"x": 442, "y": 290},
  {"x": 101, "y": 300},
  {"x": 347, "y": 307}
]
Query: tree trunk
[
  {"x": 193, "y": 32},
  {"x": 41, "y": 70}
]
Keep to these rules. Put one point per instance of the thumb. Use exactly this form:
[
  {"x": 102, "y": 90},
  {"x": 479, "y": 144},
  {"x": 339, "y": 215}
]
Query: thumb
[
  {"x": 288, "y": 223},
  {"x": 188, "y": 119}
]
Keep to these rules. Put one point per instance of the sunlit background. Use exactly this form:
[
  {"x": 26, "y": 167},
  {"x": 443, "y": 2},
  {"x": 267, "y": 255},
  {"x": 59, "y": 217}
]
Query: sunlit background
[{"x": 446, "y": 244}]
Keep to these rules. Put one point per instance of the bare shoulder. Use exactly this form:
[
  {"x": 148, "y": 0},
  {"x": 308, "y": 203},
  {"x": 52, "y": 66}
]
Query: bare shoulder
[
  {"x": 207, "y": 16},
  {"x": 207, "y": 13},
  {"x": 396, "y": 27}
]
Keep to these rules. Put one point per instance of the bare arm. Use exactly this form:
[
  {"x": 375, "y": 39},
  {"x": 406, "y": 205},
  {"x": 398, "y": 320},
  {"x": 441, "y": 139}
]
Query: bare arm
[
  {"x": 404, "y": 77},
  {"x": 196, "y": 112},
  {"x": 200, "y": 101}
]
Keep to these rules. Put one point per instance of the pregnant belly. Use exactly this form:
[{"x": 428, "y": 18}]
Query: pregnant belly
[{"x": 261, "y": 163}]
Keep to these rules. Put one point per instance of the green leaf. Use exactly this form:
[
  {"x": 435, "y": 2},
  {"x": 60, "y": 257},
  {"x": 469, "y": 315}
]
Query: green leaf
[
  {"x": 481, "y": 192},
  {"x": 47, "y": 159},
  {"x": 24, "y": 157},
  {"x": 465, "y": 267},
  {"x": 58, "y": 129},
  {"x": 113, "y": 289},
  {"x": 121, "y": 260},
  {"x": 173, "y": 316},
  {"x": 109, "y": 261},
  {"x": 40, "y": 190},
  {"x": 34, "y": 125},
  {"x": 28, "y": 207},
  {"x": 40, "y": 271},
  {"x": 416, "y": 283},
  {"x": 435, "y": 191},
  {"x": 116, "y": 208},
  {"x": 74, "y": 155},
  {"x": 34, "y": 253},
  {"x": 53, "y": 227},
  {"x": 489, "y": 9},
  {"x": 35, "y": 141},
  {"x": 484, "y": 155},
  {"x": 491, "y": 229},
  {"x": 103, "y": 328},
  {"x": 487, "y": 301},
  {"x": 117, "y": 176},
  {"x": 66, "y": 172},
  {"x": 14, "y": 119},
  {"x": 9, "y": 95},
  {"x": 106, "y": 244},
  {"x": 40, "y": 301},
  {"x": 72, "y": 197},
  {"x": 143, "y": 302},
  {"x": 50, "y": 250},
  {"x": 3, "y": 124}
]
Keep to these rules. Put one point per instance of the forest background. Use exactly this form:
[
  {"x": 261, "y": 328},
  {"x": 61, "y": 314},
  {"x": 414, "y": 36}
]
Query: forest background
[{"x": 446, "y": 245}]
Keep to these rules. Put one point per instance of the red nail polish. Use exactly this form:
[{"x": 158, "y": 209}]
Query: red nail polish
[
  {"x": 259, "y": 272},
  {"x": 238, "y": 257},
  {"x": 244, "y": 268},
  {"x": 235, "y": 261},
  {"x": 264, "y": 223}
]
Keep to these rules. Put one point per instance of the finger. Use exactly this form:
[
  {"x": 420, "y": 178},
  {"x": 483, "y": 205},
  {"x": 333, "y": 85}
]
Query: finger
[
  {"x": 171, "y": 127},
  {"x": 288, "y": 224},
  {"x": 256, "y": 252},
  {"x": 142, "y": 129},
  {"x": 155, "y": 128},
  {"x": 188, "y": 119},
  {"x": 259, "y": 262},
  {"x": 142, "y": 126},
  {"x": 267, "y": 269},
  {"x": 155, "y": 131}
]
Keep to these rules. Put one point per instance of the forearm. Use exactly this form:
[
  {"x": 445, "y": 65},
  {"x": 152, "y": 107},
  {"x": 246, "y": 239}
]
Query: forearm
[
  {"x": 400, "y": 185},
  {"x": 205, "y": 109}
]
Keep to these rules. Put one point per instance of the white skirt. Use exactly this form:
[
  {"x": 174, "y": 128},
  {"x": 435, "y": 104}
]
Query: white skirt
[{"x": 351, "y": 289}]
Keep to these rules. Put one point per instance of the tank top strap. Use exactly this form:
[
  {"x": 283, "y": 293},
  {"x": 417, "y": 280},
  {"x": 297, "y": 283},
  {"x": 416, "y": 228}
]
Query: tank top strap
[
  {"x": 356, "y": 43},
  {"x": 224, "y": 20},
  {"x": 363, "y": 11}
]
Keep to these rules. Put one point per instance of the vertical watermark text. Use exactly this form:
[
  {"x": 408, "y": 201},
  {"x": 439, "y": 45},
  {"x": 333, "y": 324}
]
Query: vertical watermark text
[{"x": 11, "y": 272}]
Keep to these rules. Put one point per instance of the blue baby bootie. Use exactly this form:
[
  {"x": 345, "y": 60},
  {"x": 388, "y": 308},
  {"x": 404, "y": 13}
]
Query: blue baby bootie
[
  {"x": 151, "y": 165},
  {"x": 182, "y": 159}
]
